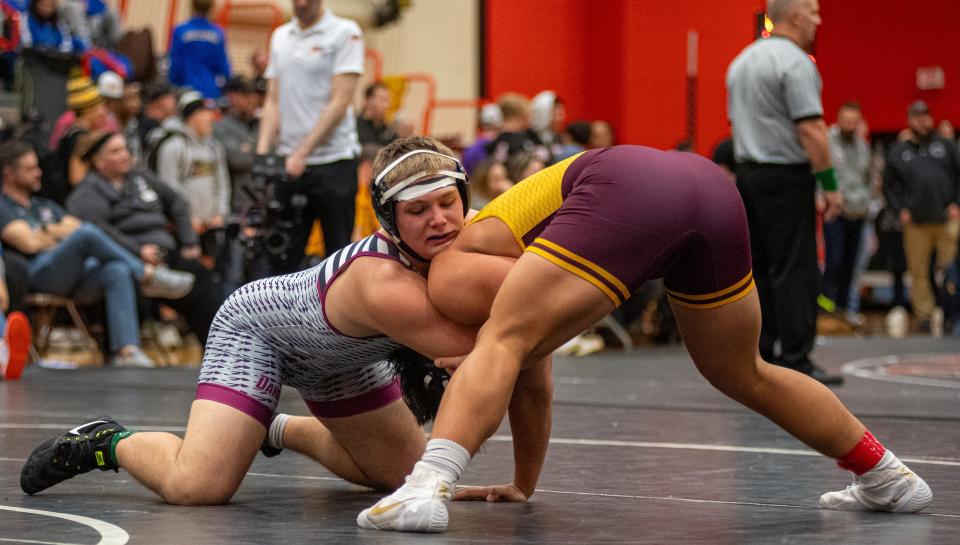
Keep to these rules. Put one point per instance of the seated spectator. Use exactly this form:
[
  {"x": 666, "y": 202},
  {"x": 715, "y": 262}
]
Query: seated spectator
[
  {"x": 159, "y": 104},
  {"x": 488, "y": 181},
  {"x": 372, "y": 127},
  {"x": 90, "y": 114},
  {"x": 134, "y": 208},
  {"x": 16, "y": 334},
  {"x": 111, "y": 88},
  {"x": 490, "y": 121},
  {"x": 74, "y": 259},
  {"x": 126, "y": 111},
  {"x": 522, "y": 165},
  {"x": 576, "y": 138},
  {"x": 44, "y": 27},
  {"x": 601, "y": 135},
  {"x": 198, "y": 53}
]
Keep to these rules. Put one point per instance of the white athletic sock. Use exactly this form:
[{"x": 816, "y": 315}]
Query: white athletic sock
[
  {"x": 889, "y": 461},
  {"x": 447, "y": 458},
  {"x": 275, "y": 433}
]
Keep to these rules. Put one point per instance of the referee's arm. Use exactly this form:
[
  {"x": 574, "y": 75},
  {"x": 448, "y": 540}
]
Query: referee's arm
[{"x": 814, "y": 139}]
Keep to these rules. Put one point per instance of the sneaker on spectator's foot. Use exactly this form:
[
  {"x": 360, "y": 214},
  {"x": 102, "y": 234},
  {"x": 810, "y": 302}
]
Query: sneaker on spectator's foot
[
  {"x": 890, "y": 486},
  {"x": 167, "y": 283},
  {"x": 420, "y": 505},
  {"x": 77, "y": 451},
  {"x": 132, "y": 356},
  {"x": 897, "y": 322},
  {"x": 936, "y": 322},
  {"x": 15, "y": 346}
]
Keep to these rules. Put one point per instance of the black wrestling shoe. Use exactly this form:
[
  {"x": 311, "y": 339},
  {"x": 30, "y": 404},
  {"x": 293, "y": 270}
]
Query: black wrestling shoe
[
  {"x": 80, "y": 450},
  {"x": 265, "y": 448}
]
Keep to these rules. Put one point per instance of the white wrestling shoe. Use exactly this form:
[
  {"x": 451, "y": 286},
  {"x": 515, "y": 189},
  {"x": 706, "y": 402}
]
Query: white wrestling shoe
[
  {"x": 892, "y": 487},
  {"x": 420, "y": 505}
]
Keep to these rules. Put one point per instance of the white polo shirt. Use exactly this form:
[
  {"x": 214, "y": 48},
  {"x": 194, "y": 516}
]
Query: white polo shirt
[{"x": 303, "y": 63}]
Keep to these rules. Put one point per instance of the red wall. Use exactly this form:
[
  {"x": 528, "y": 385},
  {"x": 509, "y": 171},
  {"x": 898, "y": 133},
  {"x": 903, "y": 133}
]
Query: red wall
[
  {"x": 870, "y": 51},
  {"x": 625, "y": 60}
]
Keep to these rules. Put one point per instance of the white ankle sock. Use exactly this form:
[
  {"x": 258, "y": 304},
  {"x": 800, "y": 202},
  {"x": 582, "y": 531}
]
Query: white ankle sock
[
  {"x": 447, "y": 458},
  {"x": 889, "y": 461},
  {"x": 275, "y": 433}
]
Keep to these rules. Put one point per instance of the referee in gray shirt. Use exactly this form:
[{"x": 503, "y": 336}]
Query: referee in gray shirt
[{"x": 781, "y": 146}]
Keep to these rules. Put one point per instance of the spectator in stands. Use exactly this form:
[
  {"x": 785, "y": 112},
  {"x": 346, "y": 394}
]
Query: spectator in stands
[
  {"x": 258, "y": 62},
  {"x": 601, "y": 135},
  {"x": 315, "y": 62},
  {"x": 198, "y": 53},
  {"x": 71, "y": 258},
  {"x": 851, "y": 160},
  {"x": 488, "y": 181},
  {"x": 135, "y": 209},
  {"x": 946, "y": 130},
  {"x": 159, "y": 104},
  {"x": 111, "y": 88},
  {"x": 372, "y": 126},
  {"x": 515, "y": 133},
  {"x": 44, "y": 27},
  {"x": 90, "y": 114},
  {"x": 576, "y": 138},
  {"x": 723, "y": 156},
  {"x": 490, "y": 121},
  {"x": 237, "y": 132},
  {"x": 523, "y": 164},
  {"x": 127, "y": 113},
  {"x": 548, "y": 116},
  {"x": 404, "y": 124},
  {"x": 921, "y": 183},
  {"x": 194, "y": 163},
  {"x": 101, "y": 25}
]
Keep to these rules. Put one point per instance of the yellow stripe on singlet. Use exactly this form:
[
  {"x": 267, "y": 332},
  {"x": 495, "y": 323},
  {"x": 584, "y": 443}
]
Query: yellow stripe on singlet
[
  {"x": 715, "y": 294},
  {"x": 587, "y": 264},
  {"x": 529, "y": 202},
  {"x": 617, "y": 301},
  {"x": 715, "y": 304}
]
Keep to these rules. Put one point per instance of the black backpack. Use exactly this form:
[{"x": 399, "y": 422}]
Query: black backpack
[{"x": 154, "y": 140}]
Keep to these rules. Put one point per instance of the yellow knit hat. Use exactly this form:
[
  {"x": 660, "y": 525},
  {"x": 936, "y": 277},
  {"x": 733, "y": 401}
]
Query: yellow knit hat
[{"x": 82, "y": 94}]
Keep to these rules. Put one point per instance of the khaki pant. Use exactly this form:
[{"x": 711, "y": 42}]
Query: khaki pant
[{"x": 919, "y": 242}]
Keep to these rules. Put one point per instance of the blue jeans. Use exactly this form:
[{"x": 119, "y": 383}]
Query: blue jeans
[
  {"x": 89, "y": 265},
  {"x": 842, "y": 240}
]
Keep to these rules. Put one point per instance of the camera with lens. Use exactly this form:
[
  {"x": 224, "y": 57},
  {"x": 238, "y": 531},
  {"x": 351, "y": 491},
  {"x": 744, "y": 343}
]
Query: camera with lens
[{"x": 266, "y": 227}]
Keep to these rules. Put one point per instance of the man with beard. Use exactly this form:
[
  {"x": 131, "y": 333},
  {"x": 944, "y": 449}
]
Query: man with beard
[
  {"x": 922, "y": 184},
  {"x": 851, "y": 159}
]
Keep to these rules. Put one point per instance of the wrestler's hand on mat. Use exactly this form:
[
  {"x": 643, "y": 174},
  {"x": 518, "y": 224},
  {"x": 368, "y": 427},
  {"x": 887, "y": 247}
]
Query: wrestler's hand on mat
[
  {"x": 502, "y": 492},
  {"x": 450, "y": 363}
]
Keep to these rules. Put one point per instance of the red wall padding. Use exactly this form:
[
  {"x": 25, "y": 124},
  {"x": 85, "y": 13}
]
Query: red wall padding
[{"x": 625, "y": 60}]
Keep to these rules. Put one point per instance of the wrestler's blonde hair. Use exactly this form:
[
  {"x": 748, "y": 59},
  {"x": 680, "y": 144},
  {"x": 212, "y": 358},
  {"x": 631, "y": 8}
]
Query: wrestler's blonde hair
[{"x": 421, "y": 162}]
